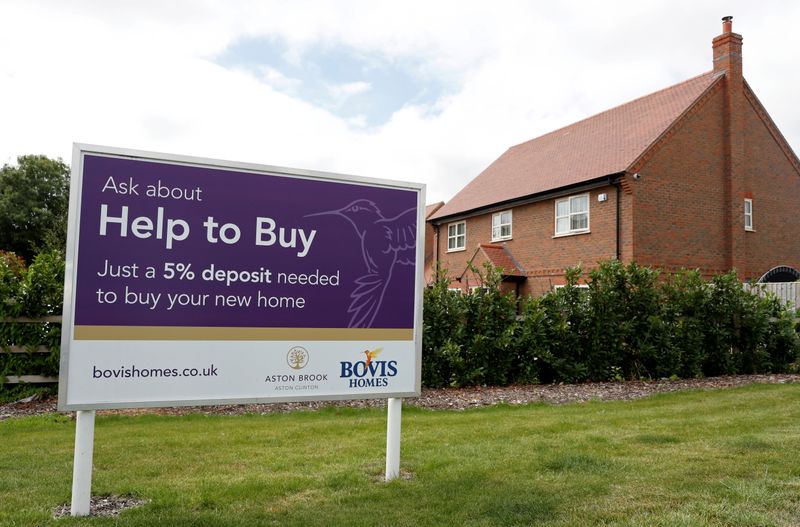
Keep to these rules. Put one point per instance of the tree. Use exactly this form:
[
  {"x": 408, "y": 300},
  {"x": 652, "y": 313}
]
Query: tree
[{"x": 34, "y": 201}]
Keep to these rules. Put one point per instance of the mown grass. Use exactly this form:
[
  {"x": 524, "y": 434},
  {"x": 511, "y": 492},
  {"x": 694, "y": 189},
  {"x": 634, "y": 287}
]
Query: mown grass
[{"x": 702, "y": 458}]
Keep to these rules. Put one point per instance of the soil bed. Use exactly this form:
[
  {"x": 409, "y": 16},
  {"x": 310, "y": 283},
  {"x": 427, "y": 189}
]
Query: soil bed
[{"x": 449, "y": 398}]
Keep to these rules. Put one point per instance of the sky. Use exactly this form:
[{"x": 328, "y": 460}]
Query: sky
[{"x": 426, "y": 91}]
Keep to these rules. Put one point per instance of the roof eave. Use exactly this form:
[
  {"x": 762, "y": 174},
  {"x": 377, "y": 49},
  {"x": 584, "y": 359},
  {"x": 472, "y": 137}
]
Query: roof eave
[{"x": 589, "y": 184}]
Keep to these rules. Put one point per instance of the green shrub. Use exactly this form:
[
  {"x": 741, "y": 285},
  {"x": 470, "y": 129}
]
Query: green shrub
[
  {"x": 43, "y": 287},
  {"x": 564, "y": 356},
  {"x": 442, "y": 332},
  {"x": 626, "y": 331},
  {"x": 684, "y": 299},
  {"x": 531, "y": 343},
  {"x": 34, "y": 292},
  {"x": 781, "y": 342},
  {"x": 468, "y": 339},
  {"x": 629, "y": 323},
  {"x": 12, "y": 271},
  {"x": 490, "y": 325},
  {"x": 723, "y": 324}
]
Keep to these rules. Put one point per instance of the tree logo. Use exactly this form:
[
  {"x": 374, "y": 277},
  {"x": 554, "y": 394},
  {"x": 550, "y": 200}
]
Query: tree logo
[{"x": 297, "y": 358}]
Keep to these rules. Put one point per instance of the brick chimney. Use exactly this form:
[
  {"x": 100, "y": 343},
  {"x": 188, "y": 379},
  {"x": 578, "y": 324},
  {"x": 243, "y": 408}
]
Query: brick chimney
[{"x": 727, "y": 49}]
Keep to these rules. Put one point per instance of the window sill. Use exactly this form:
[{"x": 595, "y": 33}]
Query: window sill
[
  {"x": 456, "y": 250},
  {"x": 495, "y": 240},
  {"x": 749, "y": 230},
  {"x": 576, "y": 233}
]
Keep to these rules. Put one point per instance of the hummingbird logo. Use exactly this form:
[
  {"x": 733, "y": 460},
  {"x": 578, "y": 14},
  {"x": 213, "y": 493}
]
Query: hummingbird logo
[
  {"x": 385, "y": 243},
  {"x": 371, "y": 355}
]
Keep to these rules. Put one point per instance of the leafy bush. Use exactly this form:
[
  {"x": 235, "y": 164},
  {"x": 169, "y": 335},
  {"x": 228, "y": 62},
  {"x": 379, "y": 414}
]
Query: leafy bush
[
  {"x": 33, "y": 292},
  {"x": 469, "y": 339},
  {"x": 684, "y": 297},
  {"x": 490, "y": 325},
  {"x": 631, "y": 322},
  {"x": 531, "y": 343},
  {"x": 442, "y": 331},
  {"x": 780, "y": 340},
  {"x": 627, "y": 332},
  {"x": 564, "y": 351}
]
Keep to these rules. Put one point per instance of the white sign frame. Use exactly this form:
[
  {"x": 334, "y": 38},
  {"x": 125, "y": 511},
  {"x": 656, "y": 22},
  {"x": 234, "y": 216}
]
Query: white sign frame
[{"x": 68, "y": 326}]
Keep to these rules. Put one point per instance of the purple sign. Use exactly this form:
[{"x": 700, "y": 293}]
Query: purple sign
[
  {"x": 169, "y": 244},
  {"x": 193, "y": 281}
]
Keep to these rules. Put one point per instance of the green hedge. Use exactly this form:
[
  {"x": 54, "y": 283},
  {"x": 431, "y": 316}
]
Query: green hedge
[
  {"x": 31, "y": 292},
  {"x": 631, "y": 323}
]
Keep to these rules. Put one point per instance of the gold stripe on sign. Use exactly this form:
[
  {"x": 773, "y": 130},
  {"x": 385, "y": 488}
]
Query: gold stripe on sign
[{"x": 226, "y": 333}]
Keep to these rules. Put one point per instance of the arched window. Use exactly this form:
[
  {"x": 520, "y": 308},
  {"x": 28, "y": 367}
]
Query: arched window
[{"x": 782, "y": 273}]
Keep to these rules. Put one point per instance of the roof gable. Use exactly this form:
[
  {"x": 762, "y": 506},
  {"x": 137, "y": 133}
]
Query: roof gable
[
  {"x": 499, "y": 256},
  {"x": 607, "y": 143},
  {"x": 762, "y": 113}
]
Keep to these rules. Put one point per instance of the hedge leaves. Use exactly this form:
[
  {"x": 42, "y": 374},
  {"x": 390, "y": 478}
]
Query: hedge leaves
[{"x": 631, "y": 323}]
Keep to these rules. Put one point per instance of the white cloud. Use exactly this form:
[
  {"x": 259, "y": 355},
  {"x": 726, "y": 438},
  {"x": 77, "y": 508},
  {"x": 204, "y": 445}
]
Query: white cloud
[
  {"x": 278, "y": 80},
  {"x": 140, "y": 74},
  {"x": 349, "y": 89}
]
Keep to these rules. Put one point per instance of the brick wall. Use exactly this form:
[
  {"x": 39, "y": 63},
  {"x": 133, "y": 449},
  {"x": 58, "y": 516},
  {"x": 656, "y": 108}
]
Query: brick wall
[
  {"x": 773, "y": 183},
  {"x": 542, "y": 256},
  {"x": 679, "y": 216},
  {"x": 688, "y": 213}
]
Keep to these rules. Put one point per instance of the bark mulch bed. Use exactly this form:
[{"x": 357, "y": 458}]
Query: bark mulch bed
[
  {"x": 103, "y": 506},
  {"x": 448, "y": 398}
]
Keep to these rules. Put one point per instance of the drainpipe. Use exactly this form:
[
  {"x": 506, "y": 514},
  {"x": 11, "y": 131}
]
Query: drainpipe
[
  {"x": 616, "y": 183},
  {"x": 435, "y": 248}
]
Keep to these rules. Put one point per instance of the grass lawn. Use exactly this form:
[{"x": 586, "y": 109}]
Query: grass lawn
[{"x": 700, "y": 458}]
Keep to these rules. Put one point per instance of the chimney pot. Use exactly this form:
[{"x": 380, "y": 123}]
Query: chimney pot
[{"x": 727, "y": 24}]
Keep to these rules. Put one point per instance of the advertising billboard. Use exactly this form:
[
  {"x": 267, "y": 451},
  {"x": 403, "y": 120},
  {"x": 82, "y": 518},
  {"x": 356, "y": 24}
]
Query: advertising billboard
[{"x": 195, "y": 281}]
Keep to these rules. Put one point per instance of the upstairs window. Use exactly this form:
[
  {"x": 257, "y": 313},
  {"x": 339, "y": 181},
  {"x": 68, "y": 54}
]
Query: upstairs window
[
  {"x": 501, "y": 226},
  {"x": 457, "y": 236},
  {"x": 572, "y": 215},
  {"x": 748, "y": 214}
]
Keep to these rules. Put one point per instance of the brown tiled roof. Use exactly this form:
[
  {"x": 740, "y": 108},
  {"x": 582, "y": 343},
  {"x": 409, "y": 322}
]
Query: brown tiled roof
[
  {"x": 433, "y": 207},
  {"x": 607, "y": 143},
  {"x": 499, "y": 256}
]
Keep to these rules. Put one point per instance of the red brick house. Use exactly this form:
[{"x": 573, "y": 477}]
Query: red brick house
[{"x": 696, "y": 175}]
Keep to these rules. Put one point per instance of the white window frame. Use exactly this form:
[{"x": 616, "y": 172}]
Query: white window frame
[
  {"x": 497, "y": 229},
  {"x": 576, "y": 286},
  {"x": 456, "y": 247},
  {"x": 748, "y": 216},
  {"x": 570, "y": 214}
]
